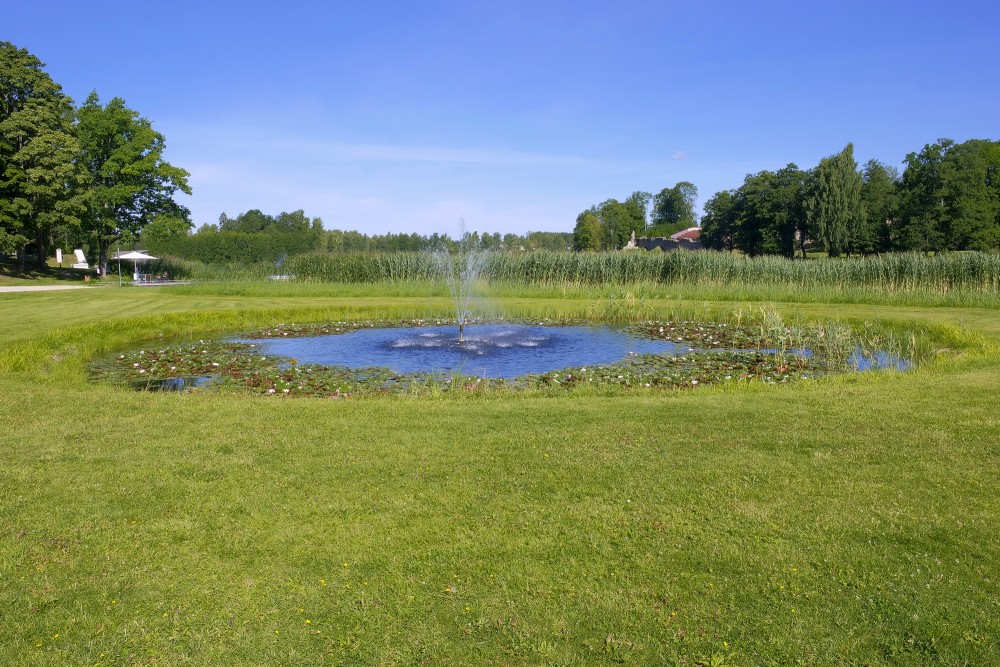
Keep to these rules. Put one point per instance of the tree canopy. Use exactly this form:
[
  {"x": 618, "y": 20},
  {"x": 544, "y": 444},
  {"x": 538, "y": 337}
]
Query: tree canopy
[
  {"x": 40, "y": 179},
  {"x": 673, "y": 209},
  {"x": 948, "y": 198},
  {"x": 91, "y": 176}
]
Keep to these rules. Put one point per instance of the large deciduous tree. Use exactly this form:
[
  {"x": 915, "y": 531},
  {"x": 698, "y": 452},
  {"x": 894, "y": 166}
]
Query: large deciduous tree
[
  {"x": 719, "y": 222},
  {"x": 130, "y": 181},
  {"x": 767, "y": 212},
  {"x": 39, "y": 174},
  {"x": 951, "y": 197},
  {"x": 880, "y": 204},
  {"x": 973, "y": 177},
  {"x": 617, "y": 224},
  {"x": 673, "y": 209},
  {"x": 587, "y": 234}
]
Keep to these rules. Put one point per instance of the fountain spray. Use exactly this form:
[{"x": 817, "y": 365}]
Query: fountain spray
[{"x": 461, "y": 271}]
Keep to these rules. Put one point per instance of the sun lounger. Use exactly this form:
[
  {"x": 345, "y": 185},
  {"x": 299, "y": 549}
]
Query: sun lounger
[{"x": 81, "y": 260}]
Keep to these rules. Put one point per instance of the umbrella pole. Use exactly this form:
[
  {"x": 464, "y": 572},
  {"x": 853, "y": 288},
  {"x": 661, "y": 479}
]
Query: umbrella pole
[{"x": 119, "y": 266}]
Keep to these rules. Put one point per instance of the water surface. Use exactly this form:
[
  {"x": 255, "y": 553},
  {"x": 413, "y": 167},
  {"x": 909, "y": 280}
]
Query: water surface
[{"x": 489, "y": 350}]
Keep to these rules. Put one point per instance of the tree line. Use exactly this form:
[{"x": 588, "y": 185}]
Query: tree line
[
  {"x": 255, "y": 236},
  {"x": 90, "y": 176},
  {"x": 947, "y": 198},
  {"x": 353, "y": 241}
]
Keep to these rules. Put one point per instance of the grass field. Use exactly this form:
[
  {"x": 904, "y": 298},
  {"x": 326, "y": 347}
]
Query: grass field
[{"x": 849, "y": 521}]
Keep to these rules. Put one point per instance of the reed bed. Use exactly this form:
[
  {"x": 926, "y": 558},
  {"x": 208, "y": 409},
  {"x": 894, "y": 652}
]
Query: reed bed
[{"x": 892, "y": 273}]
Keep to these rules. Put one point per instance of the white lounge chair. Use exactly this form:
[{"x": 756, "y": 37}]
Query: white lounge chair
[{"x": 81, "y": 260}]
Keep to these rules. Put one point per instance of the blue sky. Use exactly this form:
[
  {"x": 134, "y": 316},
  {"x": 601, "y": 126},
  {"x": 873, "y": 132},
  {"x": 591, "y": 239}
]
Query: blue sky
[{"x": 406, "y": 116}]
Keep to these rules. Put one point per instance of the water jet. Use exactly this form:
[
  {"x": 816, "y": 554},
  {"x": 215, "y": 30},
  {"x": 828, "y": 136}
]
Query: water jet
[{"x": 461, "y": 271}]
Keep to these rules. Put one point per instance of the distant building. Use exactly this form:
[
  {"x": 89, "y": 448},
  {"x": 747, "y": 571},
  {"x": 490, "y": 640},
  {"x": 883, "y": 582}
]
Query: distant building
[
  {"x": 689, "y": 234},
  {"x": 687, "y": 239}
]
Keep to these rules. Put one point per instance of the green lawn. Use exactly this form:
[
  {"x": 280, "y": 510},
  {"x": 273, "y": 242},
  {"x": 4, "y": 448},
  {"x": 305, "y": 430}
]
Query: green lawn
[{"x": 848, "y": 521}]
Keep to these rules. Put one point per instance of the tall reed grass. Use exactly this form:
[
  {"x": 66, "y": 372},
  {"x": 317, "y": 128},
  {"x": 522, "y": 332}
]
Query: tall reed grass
[{"x": 893, "y": 273}]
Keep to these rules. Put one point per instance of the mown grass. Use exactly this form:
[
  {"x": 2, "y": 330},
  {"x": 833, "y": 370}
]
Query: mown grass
[{"x": 847, "y": 521}]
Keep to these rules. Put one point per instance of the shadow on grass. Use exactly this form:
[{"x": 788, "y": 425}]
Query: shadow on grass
[{"x": 12, "y": 271}]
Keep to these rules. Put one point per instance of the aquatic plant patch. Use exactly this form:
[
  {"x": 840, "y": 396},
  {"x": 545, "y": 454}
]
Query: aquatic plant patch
[{"x": 692, "y": 370}]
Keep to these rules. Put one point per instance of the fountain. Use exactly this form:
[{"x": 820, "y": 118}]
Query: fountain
[{"x": 461, "y": 271}]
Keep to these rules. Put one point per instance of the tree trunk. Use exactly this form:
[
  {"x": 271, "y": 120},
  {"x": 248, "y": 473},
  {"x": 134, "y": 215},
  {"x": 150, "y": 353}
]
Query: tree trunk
[
  {"x": 102, "y": 262},
  {"x": 42, "y": 246}
]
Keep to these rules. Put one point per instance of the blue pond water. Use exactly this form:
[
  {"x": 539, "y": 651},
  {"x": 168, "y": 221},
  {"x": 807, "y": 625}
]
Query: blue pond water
[
  {"x": 489, "y": 350},
  {"x": 877, "y": 361}
]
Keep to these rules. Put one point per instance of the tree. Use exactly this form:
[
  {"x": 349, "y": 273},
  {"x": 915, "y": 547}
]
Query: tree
[
  {"x": 880, "y": 206},
  {"x": 719, "y": 222},
  {"x": 587, "y": 234},
  {"x": 767, "y": 212},
  {"x": 39, "y": 175},
  {"x": 833, "y": 206},
  {"x": 163, "y": 232},
  {"x": 251, "y": 222},
  {"x": 617, "y": 224},
  {"x": 636, "y": 206},
  {"x": 130, "y": 180},
  {"x": 970, "y": 176},
  {"x": 673, "y": 209},
  {"x": 925, "y": 219},
  {"x": 296, "y": 221}
]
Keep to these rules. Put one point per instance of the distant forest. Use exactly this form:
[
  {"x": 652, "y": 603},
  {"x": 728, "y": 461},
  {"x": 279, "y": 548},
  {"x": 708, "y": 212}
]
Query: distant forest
[
  {"x": 947, "y": 198},
  {"x": 255, "y": 236}
]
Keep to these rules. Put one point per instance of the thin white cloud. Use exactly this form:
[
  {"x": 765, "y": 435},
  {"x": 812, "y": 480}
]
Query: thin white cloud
[
  {"x": 680, "y": 155},
  {"x": 486, "y": 156},
  {"x": 261, "y": 141}
]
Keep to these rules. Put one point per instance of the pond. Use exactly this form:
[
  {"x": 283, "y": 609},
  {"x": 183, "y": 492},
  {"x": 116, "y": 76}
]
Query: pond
[
  {"x": 356, "y": 358},
  {"x": 488, "y": 351}
]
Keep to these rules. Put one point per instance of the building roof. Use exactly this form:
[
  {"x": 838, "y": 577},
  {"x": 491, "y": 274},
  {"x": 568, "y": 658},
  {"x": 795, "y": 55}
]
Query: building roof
[{"x": 690, "y": 234}]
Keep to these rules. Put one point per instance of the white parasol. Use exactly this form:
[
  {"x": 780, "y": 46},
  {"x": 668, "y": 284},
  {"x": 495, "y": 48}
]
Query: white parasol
[{"x": 135, "y": 256}]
